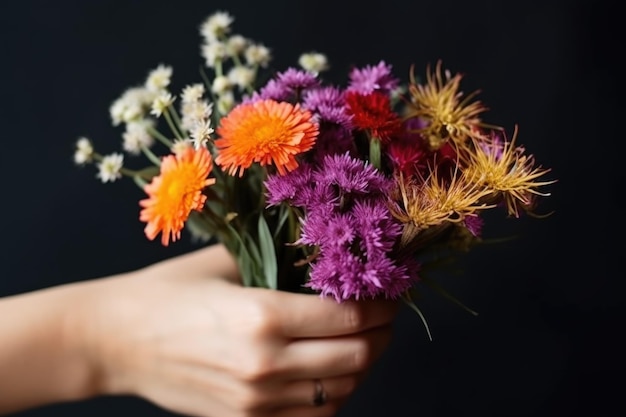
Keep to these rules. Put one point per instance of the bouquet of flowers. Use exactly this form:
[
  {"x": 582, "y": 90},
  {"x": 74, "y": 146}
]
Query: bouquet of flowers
[{"x": 350, "y": 192}]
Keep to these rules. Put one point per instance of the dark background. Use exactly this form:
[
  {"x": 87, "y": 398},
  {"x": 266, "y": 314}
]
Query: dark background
[{"x": 547, "y": 340}]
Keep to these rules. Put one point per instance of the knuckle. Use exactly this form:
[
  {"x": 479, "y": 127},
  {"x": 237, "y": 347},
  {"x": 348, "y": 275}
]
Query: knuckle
[
  {"x": 361, "y": 356},
  {"x": 354, "y": 317},
  {"x": 257, "y": 368}
]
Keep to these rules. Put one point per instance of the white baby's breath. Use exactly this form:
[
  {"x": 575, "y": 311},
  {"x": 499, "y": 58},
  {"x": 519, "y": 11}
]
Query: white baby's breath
[
  {"x": 192, "y": 92},
  {"x": 161, "y": 103},
  {"x": 201, "y": 133},
  {"x": 159, "y": 78},
  {"x": 235, "y": 45},
  {"x": 180, "y": 145},
  {"x": 257, "y": 54},
  {"x": 213, "y": 52},
  {"x": 216, "y": 26},
  {"x": 241, "y": 76},
  {"x": 314, "y": 62},
  {"x": 225, "y": 102},
  {"x": 131, "y": 105},
  {"x": 221, "y": 84},
  {"x": 137, "y": 136},
  {"x": 109, "y": 169},
  {"x": 195, "y": 112},
  {"x": 84, "y": 151}
]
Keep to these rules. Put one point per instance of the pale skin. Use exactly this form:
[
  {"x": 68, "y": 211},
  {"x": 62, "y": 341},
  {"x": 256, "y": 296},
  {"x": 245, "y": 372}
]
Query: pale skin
[{"x": 185, "y": 335}]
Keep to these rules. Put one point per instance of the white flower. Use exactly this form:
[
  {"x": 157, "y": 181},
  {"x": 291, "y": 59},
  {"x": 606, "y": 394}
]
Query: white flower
[
  {"x": 195, "y": 112},
  {"x": 109, "y": 169},
  {"x": 180, "y": 145},
  {"x": 221, "y": 84},
  {"x": 201, "y": 133},
  {"x": 213, "y": 52},
  {"x": 131, "y": 105},
  {"x": 137, "y": 136},
  {"x": 216, "y": 25},
  {"x": 225, "y": 102},
  {"x": 313, "y": 62},
  {"x": 193, "y": 92},
  {"x": 161, "y": 103},
  {"x": 257, "y": 55},
  {"x": 159, "y": 78},
  {"x": 235, "y": 45},
  {"x": 241, "y": 76},
  {"x": 84, "y": 151}
]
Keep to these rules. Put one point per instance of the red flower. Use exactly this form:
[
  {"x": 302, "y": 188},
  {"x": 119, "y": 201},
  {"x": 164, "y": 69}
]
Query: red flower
[{"x": 372, "y": 112}]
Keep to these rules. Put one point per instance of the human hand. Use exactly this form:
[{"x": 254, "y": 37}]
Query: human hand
[{"x": 201, "y": 345}]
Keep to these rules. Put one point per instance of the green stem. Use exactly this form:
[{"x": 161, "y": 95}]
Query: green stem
[
  {"x": 151, "y": 156},
  {"x": 170, "y": 122},
  {"x": 160, "y": 137}
]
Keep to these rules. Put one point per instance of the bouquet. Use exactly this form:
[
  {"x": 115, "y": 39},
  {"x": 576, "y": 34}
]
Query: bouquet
[{"x": 349, "y": 191}]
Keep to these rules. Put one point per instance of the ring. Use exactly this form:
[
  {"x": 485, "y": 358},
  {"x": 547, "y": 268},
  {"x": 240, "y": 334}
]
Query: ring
[{"x": 320, "y": 396}]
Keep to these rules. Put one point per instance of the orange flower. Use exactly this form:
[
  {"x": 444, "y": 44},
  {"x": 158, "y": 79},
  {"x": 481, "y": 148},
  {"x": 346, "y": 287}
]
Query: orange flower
[
  {"x": 265, "y": 131},
  {"x": 175, "y": 192}
]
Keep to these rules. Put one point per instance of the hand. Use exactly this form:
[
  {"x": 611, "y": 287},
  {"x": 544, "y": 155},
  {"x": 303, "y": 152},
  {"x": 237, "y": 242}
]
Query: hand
[{"x": 202, "y": 345}]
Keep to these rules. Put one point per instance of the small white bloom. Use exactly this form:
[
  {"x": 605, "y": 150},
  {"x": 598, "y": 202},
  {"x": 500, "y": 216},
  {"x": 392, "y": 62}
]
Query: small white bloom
[
  {"x": 235, "y": 45},
  {"x": 193, "y": 92},
  {"x": 216, "y": 25},
  {"x": 221, "y": 84},
  {"x": 159, "y": 78},
  {"x": 195, "y": 112},
  {"x": 213, "y": 52},
  {"x": 241, "y": 76},
  {"x": 257, "y": 55},
  {"x": 201, "y": 133},
  {"x": 137, "y": 136},
  {"x": 313, "y": 62},
  {"x": 132, "y": 104},
  {"x": 84, "y": 151},
  {"x": 161, "y": 103},
  {"x": 180, "y": 145},
  {"x": 109, "y": 169},
  {"x": 225, "y": 102}
]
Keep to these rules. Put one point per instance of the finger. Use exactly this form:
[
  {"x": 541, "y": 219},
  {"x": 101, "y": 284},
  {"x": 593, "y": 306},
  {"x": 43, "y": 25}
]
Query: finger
[
  {"x": 333, "y": 357},
  {"x": 313, "y": 316},
  {"x": 302, "y": 391},
  {"x": 330, "y": 409}
]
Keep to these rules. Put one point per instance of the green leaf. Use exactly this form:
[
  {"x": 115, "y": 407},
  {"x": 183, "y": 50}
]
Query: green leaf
[
  {"x": 245, "y": 261},
  {"x": 268, "y": 254}
]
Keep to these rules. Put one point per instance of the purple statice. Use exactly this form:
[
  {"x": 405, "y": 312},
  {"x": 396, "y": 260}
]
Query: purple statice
[
  {"x": 329, "y": 105},
  {"x": 273, "y": 90},
  {"x": 297, "y": 80},
  {"x": 372, "y": 78},
  {"x": 474, "y": 224},
  {"x": 288, "y": 188},
  {"x": 346, "y": 268},
  {"x": 351, "y": 175}
]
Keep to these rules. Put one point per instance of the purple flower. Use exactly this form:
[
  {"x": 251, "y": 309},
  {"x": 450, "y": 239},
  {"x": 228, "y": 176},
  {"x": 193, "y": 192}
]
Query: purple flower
[
  {"x": 288, "y": 187},
  {"x": 351, "y": 175},
  {"x": 474, "y": 224},
  {"x": 373, "y": 78}
]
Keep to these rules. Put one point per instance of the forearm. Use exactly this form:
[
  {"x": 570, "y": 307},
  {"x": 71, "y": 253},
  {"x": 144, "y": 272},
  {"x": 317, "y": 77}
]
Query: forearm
[{"x": 42, "y": 355}]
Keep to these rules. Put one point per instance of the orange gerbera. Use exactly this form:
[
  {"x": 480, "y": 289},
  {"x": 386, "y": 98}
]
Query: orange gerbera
[
  {"x": 175, "y": 192},
  {"x": 264, "y": 131}
]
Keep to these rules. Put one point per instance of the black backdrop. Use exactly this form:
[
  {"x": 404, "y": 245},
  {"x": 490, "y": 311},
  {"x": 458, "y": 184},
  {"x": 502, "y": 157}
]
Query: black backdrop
[{"x": 547, "y": 340}]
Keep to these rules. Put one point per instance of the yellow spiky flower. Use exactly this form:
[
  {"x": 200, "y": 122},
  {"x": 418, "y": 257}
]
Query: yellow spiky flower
[
  {"x": 429, "y": 206},
  {"x": 497, "y": 164},
  {"x": 441, "y": 104}
]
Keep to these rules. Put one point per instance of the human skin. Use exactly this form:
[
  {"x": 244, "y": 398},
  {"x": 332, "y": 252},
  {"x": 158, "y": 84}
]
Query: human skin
[{"x": 185, "y": 335}]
